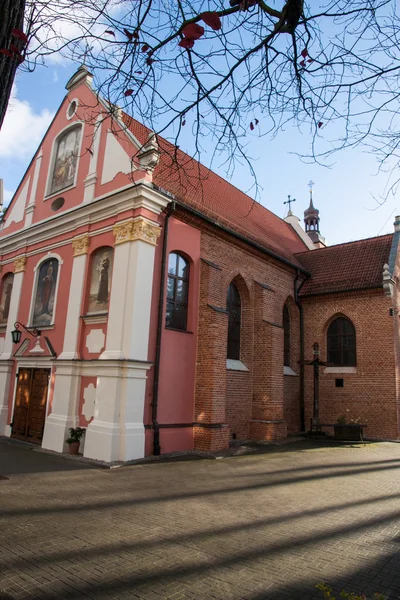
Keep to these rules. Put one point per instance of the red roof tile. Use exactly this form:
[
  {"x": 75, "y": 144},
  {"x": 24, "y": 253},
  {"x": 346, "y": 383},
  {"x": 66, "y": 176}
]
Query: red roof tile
[
  {"x": 200, "y": 188},
  {"x": 351, "y": 266}
]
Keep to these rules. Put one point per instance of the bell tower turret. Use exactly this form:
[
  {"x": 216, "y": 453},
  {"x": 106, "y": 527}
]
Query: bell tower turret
[{"x": 311, "y": 221}]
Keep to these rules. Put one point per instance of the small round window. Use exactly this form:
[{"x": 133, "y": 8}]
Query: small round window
[
  {"x": 72, "y": 109},
  {"x": 57, "y": 204}
]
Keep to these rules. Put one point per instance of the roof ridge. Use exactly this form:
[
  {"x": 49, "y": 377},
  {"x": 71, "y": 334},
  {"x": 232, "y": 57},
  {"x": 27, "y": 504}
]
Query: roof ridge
[
  {"x": 369, "y": 239},
  {"x": 222, "y": 179}
]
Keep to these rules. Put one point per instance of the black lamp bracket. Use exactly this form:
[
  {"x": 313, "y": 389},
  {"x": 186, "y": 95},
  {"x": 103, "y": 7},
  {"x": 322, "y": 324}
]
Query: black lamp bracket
[{"x": 31, "y": 330}]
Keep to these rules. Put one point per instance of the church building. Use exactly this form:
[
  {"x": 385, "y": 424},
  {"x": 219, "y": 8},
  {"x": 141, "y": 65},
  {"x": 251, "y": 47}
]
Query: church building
[{"x": 148, "y": 300}]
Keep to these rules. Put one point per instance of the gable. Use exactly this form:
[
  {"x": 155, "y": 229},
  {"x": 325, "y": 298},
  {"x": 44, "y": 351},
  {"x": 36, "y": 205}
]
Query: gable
[{"x": 84, "y": 154}]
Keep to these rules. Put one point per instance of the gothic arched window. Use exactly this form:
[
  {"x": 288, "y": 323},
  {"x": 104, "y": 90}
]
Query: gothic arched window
[
  {"x": 177, "y": 292},
  {"x": 234, "y": 308},
  {"x": 286, "y": 336},
  {"x": 341, "y": 343}
]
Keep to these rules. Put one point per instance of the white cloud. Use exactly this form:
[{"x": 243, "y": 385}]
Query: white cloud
[
  {"x": 22, "y": 129},
  {"x": 7, "y": 195}
]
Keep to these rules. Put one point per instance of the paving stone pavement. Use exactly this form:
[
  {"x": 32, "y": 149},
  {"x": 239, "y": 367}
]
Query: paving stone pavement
[{"x": 263, "y": 526}]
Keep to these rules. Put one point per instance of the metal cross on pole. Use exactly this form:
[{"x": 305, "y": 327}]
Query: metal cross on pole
[
  {"x": 289, "y": 201},
  {"x": 316, "y": 364}
]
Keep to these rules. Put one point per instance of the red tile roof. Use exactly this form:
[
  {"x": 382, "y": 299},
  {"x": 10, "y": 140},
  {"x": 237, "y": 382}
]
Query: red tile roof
[
  {"x": 198, "y": 187},
  {"x": 351, "y": 266}
]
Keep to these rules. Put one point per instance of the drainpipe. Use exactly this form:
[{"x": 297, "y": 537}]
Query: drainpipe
[
  {"x": 156, "y": 428},
  {"x": 301, "y": 314}
]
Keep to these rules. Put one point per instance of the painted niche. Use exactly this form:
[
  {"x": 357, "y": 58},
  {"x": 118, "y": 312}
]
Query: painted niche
[
  {"x": 43, "y": 309},
  {"x": 100, "y": 280},
  {"x": 6, "y": 297},
  {"x": 66, "y": 159}
]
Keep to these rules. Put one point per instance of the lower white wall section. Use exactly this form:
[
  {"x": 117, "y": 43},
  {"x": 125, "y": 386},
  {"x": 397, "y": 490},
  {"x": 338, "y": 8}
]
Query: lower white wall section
[
  {"x": 64, "y": 412},
  {"x": 117, "y": 432},
  {"x": 5, "y": 379}
]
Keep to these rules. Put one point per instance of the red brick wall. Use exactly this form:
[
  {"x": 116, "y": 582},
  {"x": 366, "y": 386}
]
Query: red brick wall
[
  {"x": 251, "y": 403},
  {"x": 238, "y": 403},
  {"x": 370, "y": 393}
]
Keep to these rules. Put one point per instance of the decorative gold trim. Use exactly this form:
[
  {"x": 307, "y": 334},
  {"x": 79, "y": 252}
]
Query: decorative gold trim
[
  {"x": 20, "y": 264},
  {"x": 80, "y": 245},
  {"x": 136, "y": 229},
  {"x": 145, "y": 231},
  {"x": 123, "y": 232}
]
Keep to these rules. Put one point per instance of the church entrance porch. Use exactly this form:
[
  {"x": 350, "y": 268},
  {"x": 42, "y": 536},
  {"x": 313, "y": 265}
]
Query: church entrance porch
[{"x": 30, "y": 405}]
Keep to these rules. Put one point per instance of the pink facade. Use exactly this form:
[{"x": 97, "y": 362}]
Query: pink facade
[{"x": 100, "y": 219}]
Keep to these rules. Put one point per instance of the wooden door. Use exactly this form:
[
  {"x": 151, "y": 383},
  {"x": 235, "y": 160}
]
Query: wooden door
[{"x": 30, "y": 404}]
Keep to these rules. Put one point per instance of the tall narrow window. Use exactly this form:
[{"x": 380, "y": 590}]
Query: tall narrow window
[
  {"x": 234, "y": 308},
  {"x": 43, "y": 308},
  {"x": 100, "y": 280},
  {"x": 286, "y": 336},
  {"x": 341, "y": 343},
  {"x": 177, "y": 292},
  {"x": 5, "y": 301},
  {"x": 65, "y": 160}
]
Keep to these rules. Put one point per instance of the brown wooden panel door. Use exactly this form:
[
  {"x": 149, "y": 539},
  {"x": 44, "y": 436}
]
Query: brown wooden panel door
[
  {"x": 37, "y": 405},
  {"x": 21, "y": 408},
  {"x": 30, "y": 404}
]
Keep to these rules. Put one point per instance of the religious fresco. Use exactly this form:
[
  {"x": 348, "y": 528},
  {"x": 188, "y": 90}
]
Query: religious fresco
[
  {"x": 66, "y": 159},
  {"x": 6, "y": 297},
  {"x": 43, "y": 309},
  {"x": 100, "y": 282}
]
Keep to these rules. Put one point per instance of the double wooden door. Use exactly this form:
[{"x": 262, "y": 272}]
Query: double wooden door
[{"x": 30, "y": 404}]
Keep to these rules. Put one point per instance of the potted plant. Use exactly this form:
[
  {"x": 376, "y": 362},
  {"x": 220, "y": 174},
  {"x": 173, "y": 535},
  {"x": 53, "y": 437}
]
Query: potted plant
[
  {"x": 74, "y": 440},
  {"x": 351, "y": 430}
]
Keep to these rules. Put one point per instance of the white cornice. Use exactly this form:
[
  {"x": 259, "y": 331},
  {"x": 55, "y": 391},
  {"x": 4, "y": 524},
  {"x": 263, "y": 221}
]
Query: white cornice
[{"x": 130, "y": 197}]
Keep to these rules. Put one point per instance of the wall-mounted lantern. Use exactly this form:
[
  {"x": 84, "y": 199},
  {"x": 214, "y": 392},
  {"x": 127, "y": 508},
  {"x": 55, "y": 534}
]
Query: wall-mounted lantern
[{"x": 16, "y": 333}]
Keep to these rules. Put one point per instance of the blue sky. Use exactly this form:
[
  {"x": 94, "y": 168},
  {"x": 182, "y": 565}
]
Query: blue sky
[{"x": 344, "y": 193}]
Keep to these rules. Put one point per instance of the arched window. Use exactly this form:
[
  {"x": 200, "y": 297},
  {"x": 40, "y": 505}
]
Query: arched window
[
  {"x": 6, "y": 289},
  {"x": 234, "y": 308},
  {"x": 65, "y": 159},
  {"x": 177, "y": 292},
  {"x": 43, "y": 308},
  {"x": 100, "y": 280},
  {"x": 286, "y": 336},
  {"x": 341, "y": 343}
]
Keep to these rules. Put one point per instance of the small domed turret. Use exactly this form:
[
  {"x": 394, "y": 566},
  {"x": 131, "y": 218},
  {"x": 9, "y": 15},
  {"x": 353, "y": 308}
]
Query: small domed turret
[{"x": 311, "y": 222}]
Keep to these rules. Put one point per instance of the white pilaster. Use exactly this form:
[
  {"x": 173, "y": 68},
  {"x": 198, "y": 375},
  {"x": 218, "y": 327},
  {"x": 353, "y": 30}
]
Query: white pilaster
[
  {"x": 66, "y": 388},
  {"x": 5, "y": 380},
  {"x": 19, "y": 269},
  {"x": 90, "y": 181},
  {"x": 80, "y": 246},
  {"x": 131, "y": 287},
  {"x": 64, "y": 413},
  {"x": 29, "y": 210},
  {"x": 137, "y": 323},
  {"x": 117, "y": 432}
]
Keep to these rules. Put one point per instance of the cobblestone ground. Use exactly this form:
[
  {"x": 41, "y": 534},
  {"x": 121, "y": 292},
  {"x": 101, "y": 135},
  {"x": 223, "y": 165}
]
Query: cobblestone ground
[{"x": 266, "y": 526}]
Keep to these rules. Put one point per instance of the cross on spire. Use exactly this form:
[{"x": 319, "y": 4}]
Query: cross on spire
[
  {"x": 310, "y": 185},
  {"x": 289, "y": 201}
]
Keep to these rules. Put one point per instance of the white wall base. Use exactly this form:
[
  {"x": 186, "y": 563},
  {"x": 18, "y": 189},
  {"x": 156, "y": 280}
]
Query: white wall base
[
  {"x": 56, "y": 432},
  {"x": 5, "y": 380},
  {"x": 110, "y": 442},
  {"x": 117, "y": 432},
  {"x": 5, "y": 429},
  {"x": 64, "y": 412}
]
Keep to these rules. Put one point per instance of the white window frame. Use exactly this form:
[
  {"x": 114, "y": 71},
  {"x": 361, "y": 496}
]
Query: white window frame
[
  {"x": 36, "y": 270},
  {"x": 52, "y": 161}
]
